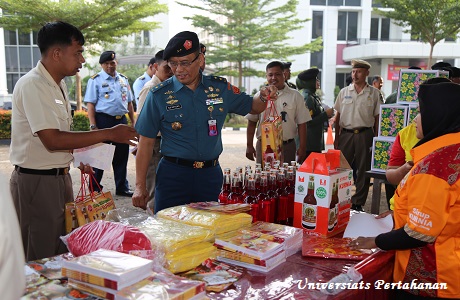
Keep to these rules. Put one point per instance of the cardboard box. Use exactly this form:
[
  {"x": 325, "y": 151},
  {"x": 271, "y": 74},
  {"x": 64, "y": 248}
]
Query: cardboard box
[
  {"x": 392, "y": 119},
  {"x": 271, "y": 136},
  {"x": 381, "y": 150},
  {"x": 412, "y": 113},
  {"x": 410, "y": 80},
  {"x": 330, "y": 178}
]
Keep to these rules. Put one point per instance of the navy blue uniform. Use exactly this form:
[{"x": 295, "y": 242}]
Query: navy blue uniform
[{"x": 182, "y": 116}]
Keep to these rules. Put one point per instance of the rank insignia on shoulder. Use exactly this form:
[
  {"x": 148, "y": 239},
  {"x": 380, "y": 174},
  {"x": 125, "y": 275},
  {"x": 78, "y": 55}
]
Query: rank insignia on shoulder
[
  {"x": 142, "y": 77},
  {"x": 94, "y": 76},
  {"x": 123, "y": 75}
]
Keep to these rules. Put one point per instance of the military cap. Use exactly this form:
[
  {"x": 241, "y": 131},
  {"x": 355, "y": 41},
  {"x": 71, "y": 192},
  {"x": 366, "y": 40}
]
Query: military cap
[
  {"x": 152, "y": 61},
  {"x": 182, "y": 44},
  {"x": 439, "y": 65},
  {"x": 359, "y": 63},
  {"x": 308, "y": 74},
  {"x": 287, "y": 65},
  {"x": 107, "y": 56}
]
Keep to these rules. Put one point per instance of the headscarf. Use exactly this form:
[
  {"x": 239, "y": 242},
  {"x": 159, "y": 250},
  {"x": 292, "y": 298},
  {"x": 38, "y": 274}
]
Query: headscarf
[{"x": 439, "y": 104}]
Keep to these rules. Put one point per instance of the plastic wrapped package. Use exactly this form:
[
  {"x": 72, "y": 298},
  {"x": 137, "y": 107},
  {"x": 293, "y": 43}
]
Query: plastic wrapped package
[
  {"x": 217, "y": 222},
  {"x": 317, "y": 246},
  {"x": 106, "y": 235},
  {"x": 189, "y": 257}
]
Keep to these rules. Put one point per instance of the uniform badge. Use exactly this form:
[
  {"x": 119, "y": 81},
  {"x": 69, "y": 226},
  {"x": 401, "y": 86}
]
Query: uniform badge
[
  {"x": 173, "y": 101},
  {"x": 221, "y": 109},
  {"x": 176, "y": 125},
  {"x": 211, "y": 88},
  {"x": 169, "y": 92},
  {"x": 106, "y": 96},
  {"x": 187, "y": 44}
]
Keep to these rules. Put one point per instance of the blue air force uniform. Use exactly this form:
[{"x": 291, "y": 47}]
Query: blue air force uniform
[
  {"x": 111, "y": 96},
  {"x": 139, "y": 84},
  {"x": 189, "y": 171}
]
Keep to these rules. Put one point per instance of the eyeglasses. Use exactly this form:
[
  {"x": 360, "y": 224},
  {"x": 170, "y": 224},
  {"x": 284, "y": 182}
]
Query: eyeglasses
[{"x": 183, "y": 64}]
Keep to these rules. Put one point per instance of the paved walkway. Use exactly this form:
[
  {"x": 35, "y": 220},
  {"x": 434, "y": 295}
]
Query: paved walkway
[{"x": 233, "y": 156}]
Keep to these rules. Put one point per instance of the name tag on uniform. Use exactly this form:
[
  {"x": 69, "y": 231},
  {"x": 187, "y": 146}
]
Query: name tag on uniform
[
  {"x": 59, "y": 101},
  {"x": 175, "y": 106},
  {"x": 348, "y": 97}
]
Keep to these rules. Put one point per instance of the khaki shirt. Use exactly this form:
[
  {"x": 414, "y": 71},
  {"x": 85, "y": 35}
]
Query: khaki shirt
[
  {"x": 145, "y": 91},
  {"x": 291, "y": 104},
  {"x": 357, "y": 110},
  {"x": 38, "y": 104}
]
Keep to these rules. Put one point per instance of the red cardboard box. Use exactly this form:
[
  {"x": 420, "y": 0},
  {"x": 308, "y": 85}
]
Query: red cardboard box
[{"x": 323, "y": 194}]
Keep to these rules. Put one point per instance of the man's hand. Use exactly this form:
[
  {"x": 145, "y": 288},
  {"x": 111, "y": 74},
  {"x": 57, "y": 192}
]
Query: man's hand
[
  {"x": 269, "y": 92},
  {"x": 363, "y": 243},
  {"x": 86, "y": 169},
  {"x": 140, "y": 198},
  {"x": 251, "y": 153},
  {"x": 330, "y": 112},
  {"x": 301, "y": 155},
  {"x": 123, "y": 134}
]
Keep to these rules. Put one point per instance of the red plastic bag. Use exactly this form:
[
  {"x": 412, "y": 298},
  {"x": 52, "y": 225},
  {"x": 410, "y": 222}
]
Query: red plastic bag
[{"x": 106, "y": 235}]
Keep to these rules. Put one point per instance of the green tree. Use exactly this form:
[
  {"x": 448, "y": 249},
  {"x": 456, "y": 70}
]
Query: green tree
[
  {"x": 254, "y": 31},
  {"x": 101, "y": 21},
  {"x": 428, "y": 21}
]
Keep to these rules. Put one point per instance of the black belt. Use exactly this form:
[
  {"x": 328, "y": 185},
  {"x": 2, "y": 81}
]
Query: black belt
[
  {"x": 356, "y": 131},
  {"x": 192, "y": 163},
  {"x": 107, "y": 115},
  {"x": 56, "y": 171},
  {"x": 288, "y": 141}
]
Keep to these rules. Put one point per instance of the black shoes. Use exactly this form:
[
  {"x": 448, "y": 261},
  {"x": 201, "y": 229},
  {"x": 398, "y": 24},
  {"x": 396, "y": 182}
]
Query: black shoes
[
  {"x": 357, "y": 207},
  {"x": 127, "y": 193}
]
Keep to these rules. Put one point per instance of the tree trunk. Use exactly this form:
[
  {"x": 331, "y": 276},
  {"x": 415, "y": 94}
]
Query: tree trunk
[
  {"x": 240, "y": 74},
  {"x": 430, "y": 58},
  {"x": 78, "y": 90}
]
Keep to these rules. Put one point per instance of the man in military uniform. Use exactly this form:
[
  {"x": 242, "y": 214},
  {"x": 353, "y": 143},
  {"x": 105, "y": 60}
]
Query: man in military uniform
[
  {"x": 291, "y": 107},
  {"x": 287, "y": 74},
  {"x": 189, "y": 109},
  {"x": 142, "y": 80},
  {"x": 162, "y": 72},
  {"x": 108, "y": 98},
  {"x": 308, "y": 82},
  {"x": 357, "y": 121}
]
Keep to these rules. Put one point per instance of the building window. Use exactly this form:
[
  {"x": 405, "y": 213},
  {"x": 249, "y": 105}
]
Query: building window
[
  {"x": 317, "y": 24},
  {"x": 380, "y": 29},
  {"x": 21, "y": 55},
  {"x": 336, "y": 2},
  {"x": 376, "y": 3},
  {"x": 341, "y": 79},
  {"x": 316, "y": 59},
  {"x": 146, "y": 37},
  {"x": 347, "y": 26}
]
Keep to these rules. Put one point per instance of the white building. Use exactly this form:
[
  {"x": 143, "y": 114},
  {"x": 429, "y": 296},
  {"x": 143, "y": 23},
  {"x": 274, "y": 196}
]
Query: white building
[{"x": 349, "y": 28}]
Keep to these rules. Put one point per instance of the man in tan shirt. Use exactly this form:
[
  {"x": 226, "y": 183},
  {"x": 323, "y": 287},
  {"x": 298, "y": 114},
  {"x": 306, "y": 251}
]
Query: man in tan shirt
[
  {"x": 42, "y": 143},
  {"x": 162, "y": 72},
  {"x": 357, "y": 121}
]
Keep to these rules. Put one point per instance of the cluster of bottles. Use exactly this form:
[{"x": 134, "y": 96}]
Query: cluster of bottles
[
  {"x": 270, "y": 192},
  {"x": 309, "y": 210}
]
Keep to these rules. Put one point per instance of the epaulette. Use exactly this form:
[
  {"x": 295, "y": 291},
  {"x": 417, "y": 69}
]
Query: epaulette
[
  {"x": 161, "y": 85},
  {"x": 95, "y": 75},
  {"x": 216, "y": 78},
  {"x": 123, "y": 75},
  {"x": 142, "y": 77}
]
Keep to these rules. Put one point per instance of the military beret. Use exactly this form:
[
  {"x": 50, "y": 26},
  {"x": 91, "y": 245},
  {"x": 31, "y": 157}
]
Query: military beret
[
  {"x": 359, "y": 63},
  {"x": 308, "y": 74},
  {"x": 152, "y": 61},
  {"x": 182, "y": 44},
  {"x": 107, "y": 56},
  {"x": 439, "y": 65},
  {"x": 287, "y": 65}
]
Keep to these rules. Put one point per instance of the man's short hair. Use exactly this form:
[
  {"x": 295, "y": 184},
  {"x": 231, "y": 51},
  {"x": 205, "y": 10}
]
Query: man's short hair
[
  {"x": 58, "y": 33},
  {"x": 159, "y": 57},
  {"x": 376, "y": 78},
  {"x": 152, "y": 61},
  {"x": 275, "y": 64}
]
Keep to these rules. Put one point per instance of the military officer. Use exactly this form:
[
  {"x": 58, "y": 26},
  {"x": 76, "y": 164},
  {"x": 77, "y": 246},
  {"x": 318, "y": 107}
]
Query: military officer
[
  {"x": 287, "y": 75},
  {"x": 142, "y": 80},
  {"x": 356, "y": 124},
  {"x": 189, "y": 109},
  {"x": 109, "y": 97}
]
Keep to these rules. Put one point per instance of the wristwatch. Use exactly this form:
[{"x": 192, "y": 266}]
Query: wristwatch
[{"x": 92, "y": 127}]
